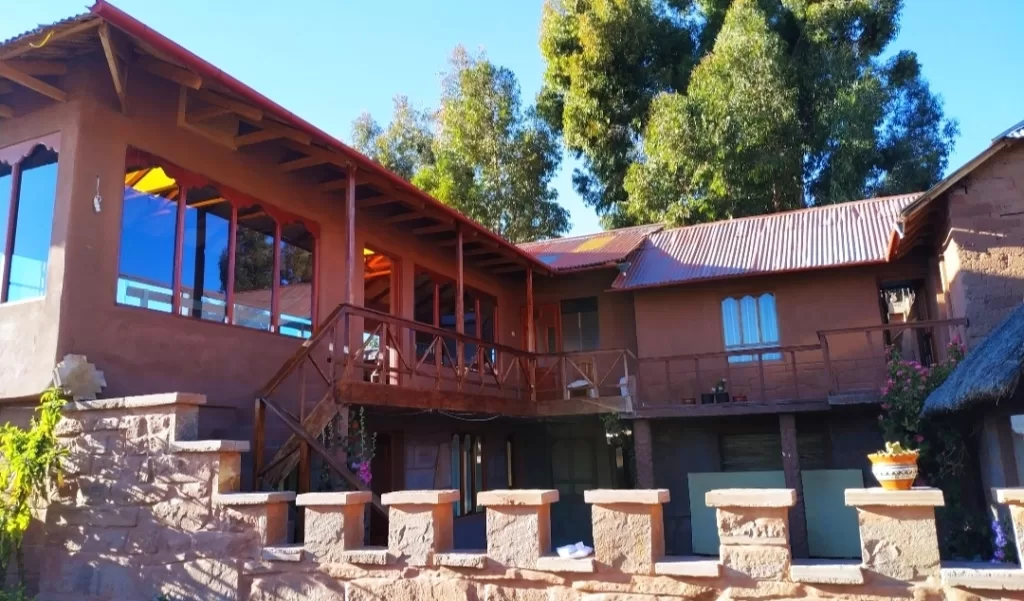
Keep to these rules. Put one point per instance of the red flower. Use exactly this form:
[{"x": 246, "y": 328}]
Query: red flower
[{"x": 919, "y": 439}]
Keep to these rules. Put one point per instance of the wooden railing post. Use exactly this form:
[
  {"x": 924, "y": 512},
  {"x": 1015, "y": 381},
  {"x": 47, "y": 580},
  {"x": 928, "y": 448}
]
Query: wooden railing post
[
  {"x": 830, "y": 381},
  {"x": 760, "y": 373},
  {"x": 260, "y": 419},
  {"x": 796, "y": 379},
  {"x": 302, "y": 487}
]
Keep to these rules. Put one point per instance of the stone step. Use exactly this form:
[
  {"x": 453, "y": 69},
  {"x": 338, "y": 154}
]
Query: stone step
[
  {"x": 226, "y": 453},
  {"x": 267, "y": 512}
]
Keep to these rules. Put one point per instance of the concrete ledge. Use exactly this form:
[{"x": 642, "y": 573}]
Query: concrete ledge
[
  {"x": 693, "y": 567},
  {"x": 332, "y": 499},
  {"x": 493, "y": 498},
  {"x": 826, "y": 572},
  {"x": 609, "y": 496},
  {"x": 750, "y": 497},
  {"x": 292, "y": 553},
  {"x": 135, "y": 402},
  {"x": 553, "y": 563},
  {"x": 252, "y": 498},
  {"x": 368, "y": 557},
  {"x": 915, "y": 497},
  {"x": 1010, "y": 496},
  {"x": 464, "y": 559},
  {"x": 420, "y": 497},
  {"x": 210, "y": 446},
  {"x": 984, "y": 578}
]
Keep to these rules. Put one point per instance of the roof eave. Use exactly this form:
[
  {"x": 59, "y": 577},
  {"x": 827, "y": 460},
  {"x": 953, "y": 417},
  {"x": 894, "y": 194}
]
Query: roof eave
[{"x": 938, "y": 189}]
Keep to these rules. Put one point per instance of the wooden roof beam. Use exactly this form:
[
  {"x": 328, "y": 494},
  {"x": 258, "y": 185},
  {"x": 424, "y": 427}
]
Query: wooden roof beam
[
  {"x": 512, "y": 269},
  {"x": 334, "y": 185},
  {"x": 207, "y": 113},
  {"x": 495, "y": 262},
  {"x": 36, "y": 85},
  {"x": 376, "y": 201},
  {"x": 172, "y": 72},
  {"x": 250, "y": 112},
  {"x": 6, "y": 87},
  {"x": 113, "y": 50},
  {"x": 410, "y": 216},
  {"x": 434, "y": 229},
  {"x": 480, "y": 251},
  {"x": 57, "y": 35},
  {"x": 183, "y": 123},
  {"x": 273, "y": 131},
  {"x": 40, "y": 67},
  {"x": 6, "y": 112},
  {"x": 298, "y": 164}
]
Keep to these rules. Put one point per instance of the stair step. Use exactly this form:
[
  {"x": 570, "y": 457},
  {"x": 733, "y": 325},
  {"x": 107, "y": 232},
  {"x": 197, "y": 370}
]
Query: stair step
[
  {"x": 235, "y": 499},
  {"x": 210, "y": 446},
  {"x": 283, "y": 553}
]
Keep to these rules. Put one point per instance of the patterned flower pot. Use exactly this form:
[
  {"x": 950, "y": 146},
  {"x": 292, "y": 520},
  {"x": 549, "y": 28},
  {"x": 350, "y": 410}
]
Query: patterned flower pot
[{"x": 894, "y": 471}]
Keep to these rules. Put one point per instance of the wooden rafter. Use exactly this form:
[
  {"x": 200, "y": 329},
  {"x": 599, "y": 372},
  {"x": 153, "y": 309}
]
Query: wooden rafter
[
  {"x": 480, "y": 251},
  {"x": 183, "y": 123},
  {"x": 272, "y": 131},
  {"x": 57, "y": 35},
  {"x": 376, "y": 201},
  {"x": 250, "y": 112},
  {"x": 207, "y": 113},
  {"x": 206, "y": 203},
  {"x": 302, "y": 163},
  {"x": 115, "y": 53},
  {"x": 333, "y": 185},
  {"x": 496, "y": 262},
  {"x": 36, "y": 85},
  {"x": 433, "y": 229},
  {"x": 512, "y": 269},
  {"x": 40, "y": 67},
  {"x": 172, "y": 72},
  {"x": 6, "y": 112},
  {"x": 6, "y": 87},
  {"x": 410, "y": 216}
]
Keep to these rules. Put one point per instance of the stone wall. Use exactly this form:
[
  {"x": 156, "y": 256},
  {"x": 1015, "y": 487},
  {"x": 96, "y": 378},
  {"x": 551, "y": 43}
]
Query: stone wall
[{"x": 147, "y": 512}]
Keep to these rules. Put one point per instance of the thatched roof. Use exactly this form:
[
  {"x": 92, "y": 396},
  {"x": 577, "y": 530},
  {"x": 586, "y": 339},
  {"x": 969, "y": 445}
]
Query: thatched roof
[{"x": 988, "y": 374}]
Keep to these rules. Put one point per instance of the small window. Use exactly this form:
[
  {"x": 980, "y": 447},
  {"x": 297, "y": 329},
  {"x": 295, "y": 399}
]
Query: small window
[
  {"x": 580, "y": 324},
  {"x": 28, "y": 189},
  {"x": 467, "y": 456},
  {"x": 750, "y": 323}
]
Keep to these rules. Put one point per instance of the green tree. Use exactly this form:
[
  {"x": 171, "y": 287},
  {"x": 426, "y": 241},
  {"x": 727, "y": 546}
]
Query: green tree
[
  {"x": 494, "y": 160},
  {"x": 254, "y": 262},
  {"x": 623, "y": 70},
  {"x": 405, "y": 146}
]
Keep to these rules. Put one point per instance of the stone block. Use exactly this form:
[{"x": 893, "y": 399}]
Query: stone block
[
  {"x": 750, "y": 497},
  {"x": 420, "y": 524},
  {"x": 333, "y": 523},
  {"x": 1013, "y": 498},
  {"x": 414, "y": 589},
  {"x": 296, "y": 587},
  {"x": 755, "y": 561},
  {"x": 753, "y": 525},
  {"x": 518, "y": 525},
  {"x": 898, "y": 538},
  {"x": 628, "y": 528}
]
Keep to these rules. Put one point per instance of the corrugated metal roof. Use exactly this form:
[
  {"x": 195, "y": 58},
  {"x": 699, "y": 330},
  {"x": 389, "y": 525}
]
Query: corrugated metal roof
[
  {"x": 46, "y": 27},
  {"x": 849, "y": 233},
  {"x": 590, "y": 251}
]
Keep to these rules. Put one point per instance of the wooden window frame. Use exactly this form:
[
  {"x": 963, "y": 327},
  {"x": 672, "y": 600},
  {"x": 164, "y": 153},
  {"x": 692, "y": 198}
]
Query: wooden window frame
[
  {"x": 767, "y": 351},
  {"x": 237, "y": 201},
  {"x": 467, "y": 474}
]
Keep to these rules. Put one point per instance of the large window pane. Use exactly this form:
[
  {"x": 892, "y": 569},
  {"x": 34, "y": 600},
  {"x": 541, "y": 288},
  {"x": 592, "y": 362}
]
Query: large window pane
[
  {"x": 204, "y": 260},
  {"x": 34, "y": 225},
  {"x": 296, "y": 281},
  {"x": 6, "y": 177},
  {"x": 254, "y": 268},
  {"x": 148, "y": 220},
  {"x": 580, "y": 330}
]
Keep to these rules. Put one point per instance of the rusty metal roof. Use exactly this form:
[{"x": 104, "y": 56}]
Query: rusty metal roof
[
  {"x": 590, "y": 251},
  {"x": 850, "y": 233}
]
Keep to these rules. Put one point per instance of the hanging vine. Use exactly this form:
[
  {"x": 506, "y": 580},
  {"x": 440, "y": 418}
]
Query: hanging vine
[
  {"x": 30, "y": 467},
  {"x": 358, "y": 443}
]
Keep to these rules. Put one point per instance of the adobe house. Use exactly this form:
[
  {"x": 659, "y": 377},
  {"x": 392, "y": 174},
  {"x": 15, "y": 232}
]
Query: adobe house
[{"x": 188, "y": 234}]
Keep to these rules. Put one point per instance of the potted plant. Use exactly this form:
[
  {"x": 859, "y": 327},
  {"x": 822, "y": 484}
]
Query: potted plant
[
  {"x": 895, "y": 468},
  {"x": 739, "y": 398},
  {"x": 717, "y": 394}
]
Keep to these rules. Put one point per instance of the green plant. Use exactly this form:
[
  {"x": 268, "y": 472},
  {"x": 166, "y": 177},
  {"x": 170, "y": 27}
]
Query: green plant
[
  {"x": 942, "y": 443},
  {"x": 30, "y": 465}
]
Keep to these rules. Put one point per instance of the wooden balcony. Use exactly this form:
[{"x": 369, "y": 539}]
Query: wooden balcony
[{"x": 847, "y": 366}]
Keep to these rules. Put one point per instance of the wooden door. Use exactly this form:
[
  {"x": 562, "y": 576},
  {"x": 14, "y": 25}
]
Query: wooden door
[
  {"x": 547, "y": 327},
  {"x": 383, "y": 469}
]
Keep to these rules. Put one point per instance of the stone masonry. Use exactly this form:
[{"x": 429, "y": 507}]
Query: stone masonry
[{"x": 148, "y": 511}]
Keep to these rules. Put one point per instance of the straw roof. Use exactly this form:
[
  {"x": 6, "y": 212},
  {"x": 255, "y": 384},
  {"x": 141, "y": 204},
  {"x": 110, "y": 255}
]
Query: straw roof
[{"x": 990, "y": 373}]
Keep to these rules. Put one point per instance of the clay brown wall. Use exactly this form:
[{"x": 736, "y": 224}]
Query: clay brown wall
[
  {"x": 687, "y": 320},
  {"x": 29, "y": 328},
  {"x": 144, "y": 351},
  {"x": 984, "y": 252}
]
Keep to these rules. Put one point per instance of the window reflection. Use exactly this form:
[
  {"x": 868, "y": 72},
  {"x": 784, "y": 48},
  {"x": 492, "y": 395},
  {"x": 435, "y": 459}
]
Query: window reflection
[
  {"x": 254, "y": 269},
  {"x": 296, "y": 281},
  {"x": 148, "y": 220},
  {"x": 34, "y": 225},
  {"x": 6, "y": 177},
  {"x": 204, "y": 264}
]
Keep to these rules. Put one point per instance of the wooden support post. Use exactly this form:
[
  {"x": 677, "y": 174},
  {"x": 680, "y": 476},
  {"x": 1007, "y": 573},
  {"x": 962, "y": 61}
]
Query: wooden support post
[
  {"x": 791, "y": 471},
  {"x": 259, "y": 423},
  {"x": 275, "y": 282},
  {"x": 302, "y": 487},
  {"x": 12, "y": 223},
  {"x": 437, "y": 342},
  {"x": 823, "y": 341},
  {"x": 643, "y": 453},
  {"x": 350, "y": 239},
  {"x": 179, "y": 251},
  {"x": 460, "y": 308},
  {"x": 531, "y": 337},
  {"x": 229, "y": 311}
]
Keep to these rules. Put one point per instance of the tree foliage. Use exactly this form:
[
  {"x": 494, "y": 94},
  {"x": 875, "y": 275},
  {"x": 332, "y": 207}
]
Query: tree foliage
[
  {"x": 482, "y": 152},
  {"x": 690, "y": 110},
  {"x": 254, "y": 262}
]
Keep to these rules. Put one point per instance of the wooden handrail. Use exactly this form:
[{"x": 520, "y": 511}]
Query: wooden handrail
[
  {"x": 917, "y": 325},
  {"x": 735, "y": 353}
]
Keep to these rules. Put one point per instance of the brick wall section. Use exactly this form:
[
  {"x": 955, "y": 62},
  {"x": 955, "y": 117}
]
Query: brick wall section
[
  {"x": 146, "y": 512},
  {"x": 984, "y": 259}
]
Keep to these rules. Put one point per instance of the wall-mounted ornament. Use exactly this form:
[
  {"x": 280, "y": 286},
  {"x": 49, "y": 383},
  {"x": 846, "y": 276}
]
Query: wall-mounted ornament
[
  {"x": 79, "y": 378},
  {"x": 97, "y": 201}
]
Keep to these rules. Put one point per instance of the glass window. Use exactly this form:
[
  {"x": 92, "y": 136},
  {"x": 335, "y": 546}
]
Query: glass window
[
  {"x": 204, "y": 260},
  {"x": 34, "y": 192},
  {"x": 148, "y": 221},
  {"x": 229, "y": 252},
  {"x": 580, "y": 329},
  {"x": 467, "y": 468},
  {"x": 750, "y": 323}
]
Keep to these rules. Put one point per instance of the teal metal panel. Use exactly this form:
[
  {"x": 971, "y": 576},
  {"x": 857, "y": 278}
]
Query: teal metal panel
[
  {"x": 703, "y": 525},
  {"x": 832, "y": 529}
]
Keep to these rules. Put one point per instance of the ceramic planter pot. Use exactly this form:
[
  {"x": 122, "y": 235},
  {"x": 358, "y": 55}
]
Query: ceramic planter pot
[{"x": 894, "y": 471}]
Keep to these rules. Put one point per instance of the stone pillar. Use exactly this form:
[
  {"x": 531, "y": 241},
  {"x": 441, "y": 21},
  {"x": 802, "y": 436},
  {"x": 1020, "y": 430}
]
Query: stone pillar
[
  {"x": 518, "y": 525},
  {"x": 753, "y": 531},
  {"x": 1013, "y": 498},
  {"x": 644, "y": 452},
  {"x": 897, "y": 531},
  {"x": 420, "y": 523},
  {"x": 334, "y": 523},
  {"x": 629, "y": 532},
  {"x": 794, "y": 480}
]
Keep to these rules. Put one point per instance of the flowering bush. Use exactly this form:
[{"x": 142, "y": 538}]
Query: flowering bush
[
  {"x": 944, "y": 453},
  {"x": 359, "y": 444}
]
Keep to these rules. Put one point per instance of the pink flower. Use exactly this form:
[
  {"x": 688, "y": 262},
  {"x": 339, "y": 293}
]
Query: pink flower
[
  {"x": 919, "y": 439},
  {"x": 880, "y": 418},
  {"x": 364, "y": 472},
  {"x": 886, "y": 406}
]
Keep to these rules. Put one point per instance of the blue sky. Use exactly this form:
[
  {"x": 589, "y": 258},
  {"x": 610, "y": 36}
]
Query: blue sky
[{"x": 330, "y": 60}]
